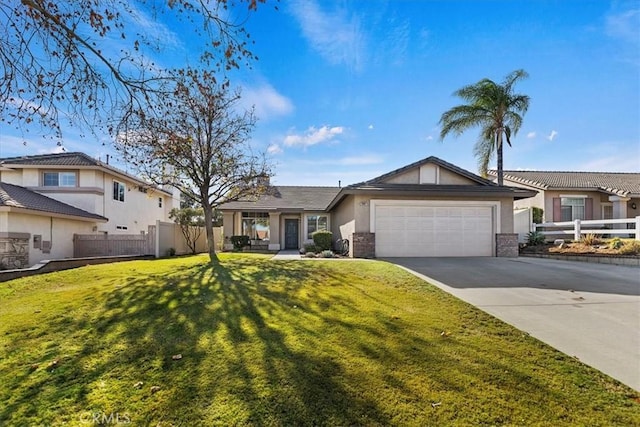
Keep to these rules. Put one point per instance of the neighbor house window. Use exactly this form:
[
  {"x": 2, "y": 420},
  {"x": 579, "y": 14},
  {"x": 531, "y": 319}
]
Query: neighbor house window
[
  {"x": 118, "y": 191},
  {"x": 572, "y": 208},
  {"x": 316, "y": 223},
  {"x": 255, "y": 225},
  {"x": 60, "y": 179}
]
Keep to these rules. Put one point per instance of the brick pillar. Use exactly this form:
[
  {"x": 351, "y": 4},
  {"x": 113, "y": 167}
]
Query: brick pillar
[
  {"x": 363, "y": 245},
  {"x": 507, "y": 245}
]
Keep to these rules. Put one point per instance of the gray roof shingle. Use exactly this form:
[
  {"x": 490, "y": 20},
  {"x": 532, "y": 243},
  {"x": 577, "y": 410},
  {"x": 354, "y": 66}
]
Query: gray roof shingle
[
  {"x": 20, "y": 197},
  {"x": 622, "y": 184},
  {"x": 294, "y": 198}
]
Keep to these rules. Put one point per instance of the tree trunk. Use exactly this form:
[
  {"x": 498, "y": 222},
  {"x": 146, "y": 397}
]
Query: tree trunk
[
  {"x": 499, "y": 155},
  {"x": 208, "y": 226}
]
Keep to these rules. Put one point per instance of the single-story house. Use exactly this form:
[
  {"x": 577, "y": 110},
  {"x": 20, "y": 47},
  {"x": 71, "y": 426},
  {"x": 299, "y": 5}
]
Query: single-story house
[
  {"x": 428, "y": 208},
  {"x": 567, "y": 196}
]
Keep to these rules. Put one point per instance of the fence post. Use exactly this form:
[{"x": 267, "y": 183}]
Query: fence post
[
  {"x": 638, "y": 228},
  {"x": 576, "y": 230}
]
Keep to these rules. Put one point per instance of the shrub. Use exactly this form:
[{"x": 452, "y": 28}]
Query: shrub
[
  {"x": 536, "y": 213},
  {"x": 311, "y": 247},
  {"x": 327, "y": 254},
  {"x": 616, "y": 243},
  {"x": 323, "y": 239},
  {"x": 171, "y": 252},
  {"x": 589, "y": 239},
  {"x": 535, "y": 238},
  {"x": 630, "y": 248},
  {"x": 310, "y": 255},
  {"x": 239, "y": 242}
]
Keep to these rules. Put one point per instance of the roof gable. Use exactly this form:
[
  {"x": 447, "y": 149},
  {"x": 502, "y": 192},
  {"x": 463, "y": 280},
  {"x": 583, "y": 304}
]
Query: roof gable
[
  {"x": 622, "y": 184},
  {"x": 15, "y": 196},
  {"x": 411, "y": 174}
]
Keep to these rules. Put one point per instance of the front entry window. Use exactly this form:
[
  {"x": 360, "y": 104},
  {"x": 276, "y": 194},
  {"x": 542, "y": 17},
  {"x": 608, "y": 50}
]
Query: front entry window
[
  {"x": 316, "y": 223},
  {"x": 572, "y": 208},
  {"x": 256, "y": 225}
]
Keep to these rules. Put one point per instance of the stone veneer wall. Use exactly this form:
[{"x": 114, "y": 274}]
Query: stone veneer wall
[
  {"x": 14, "y": 250},
  {"x": 363, "y": 245},
  {"x": 507, "y": 245}
]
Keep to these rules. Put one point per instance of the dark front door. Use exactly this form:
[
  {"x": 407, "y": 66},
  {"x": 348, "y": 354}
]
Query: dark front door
[{"x": 291, "y": 234}]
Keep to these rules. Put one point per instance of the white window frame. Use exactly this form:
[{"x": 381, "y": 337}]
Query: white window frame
[
  {"x": 573, "y": 213},
  {"x": 119, "y": 194},
  {"x": 60, "y": 178},
  {"x": 317, "y": 216}
]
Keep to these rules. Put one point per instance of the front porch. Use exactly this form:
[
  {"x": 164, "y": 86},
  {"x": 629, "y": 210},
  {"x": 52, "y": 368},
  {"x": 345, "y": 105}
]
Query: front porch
[{"x": 273, "y": 230}]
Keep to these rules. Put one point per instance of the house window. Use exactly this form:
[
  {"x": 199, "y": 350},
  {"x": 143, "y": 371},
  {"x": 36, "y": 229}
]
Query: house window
[
  {"x": 255, "y": 225},
  {"x": 607, "y": 211},
  {"x": 316, "y": 223},
  {"x": 572, "y": 208},
  {"x": 159, "y": 202},
  {"x": 60, "y": 179},
  {"x": 118, "y": 191}
]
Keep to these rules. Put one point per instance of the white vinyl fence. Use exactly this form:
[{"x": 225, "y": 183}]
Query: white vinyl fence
[{"x": 629, "y": 227}]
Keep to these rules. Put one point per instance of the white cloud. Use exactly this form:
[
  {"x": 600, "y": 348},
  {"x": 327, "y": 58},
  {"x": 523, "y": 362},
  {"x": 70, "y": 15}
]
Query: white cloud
[
  {"x": 313, "y": 136},
  {"x": 274, "y": 149},
  {"x": 336, "y": 36},
  {"x": 429, "y": 138},
  {"x": 267, "y": 101},
  {"x": 552, "y": 135},
  {"x": 370, "y": 127},
  {"x": 531, "y": 135},
  {"x": 624, "y": 25}
]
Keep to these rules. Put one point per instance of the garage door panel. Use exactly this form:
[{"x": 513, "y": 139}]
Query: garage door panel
[{"x": 413, "y": 230}]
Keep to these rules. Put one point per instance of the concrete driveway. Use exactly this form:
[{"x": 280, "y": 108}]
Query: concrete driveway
[{"x": 590, "y": 311}]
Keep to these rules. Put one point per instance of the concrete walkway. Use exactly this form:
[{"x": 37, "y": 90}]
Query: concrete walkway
[
  {"x": 287, "y": 254},
  {"x": 590, "y": 311}
]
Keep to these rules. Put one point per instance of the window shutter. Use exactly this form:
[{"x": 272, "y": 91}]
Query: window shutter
[
  {"x": 588, "y": 209},
  {"x": 557, "y": 209}
]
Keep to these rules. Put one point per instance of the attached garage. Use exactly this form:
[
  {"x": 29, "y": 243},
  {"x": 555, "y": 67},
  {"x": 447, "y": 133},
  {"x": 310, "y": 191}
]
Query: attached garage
[{"x": 433, "y": 228}]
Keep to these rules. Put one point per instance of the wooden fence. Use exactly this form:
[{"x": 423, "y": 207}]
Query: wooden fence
[
  {"x": 87, "y": 245},
  {"x": 629, "y": 227}
]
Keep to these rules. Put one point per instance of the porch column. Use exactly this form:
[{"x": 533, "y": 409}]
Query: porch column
[
  {"x": 274, "y": 231},
  {"x": 227, "y": 229},
  {"x": 619, "y": 209}
]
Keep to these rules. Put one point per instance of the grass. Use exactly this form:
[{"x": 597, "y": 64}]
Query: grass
[{"x": 278, "y": 343}]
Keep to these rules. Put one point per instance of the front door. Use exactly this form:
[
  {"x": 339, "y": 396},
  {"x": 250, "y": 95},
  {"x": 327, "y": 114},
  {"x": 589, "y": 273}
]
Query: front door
[{"x": 291, "y": 234}]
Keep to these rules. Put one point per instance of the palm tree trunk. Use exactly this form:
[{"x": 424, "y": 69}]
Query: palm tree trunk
[{"x": 499, "y": 154}]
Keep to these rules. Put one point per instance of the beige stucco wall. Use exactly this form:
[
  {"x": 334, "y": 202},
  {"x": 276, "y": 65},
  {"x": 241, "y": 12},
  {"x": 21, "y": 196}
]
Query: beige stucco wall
[
  {"x": 411, "y": 176},
  {"x": 343, "y": 219},
  {"x": 58, "y": 231},
  {"x": 449, "y": 178}
]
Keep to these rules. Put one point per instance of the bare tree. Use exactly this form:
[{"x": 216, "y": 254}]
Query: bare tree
[
  {"x": 82, "y": 60},
  {"x": 198, "y": 141},
  {"x": 190, "y": 221}
]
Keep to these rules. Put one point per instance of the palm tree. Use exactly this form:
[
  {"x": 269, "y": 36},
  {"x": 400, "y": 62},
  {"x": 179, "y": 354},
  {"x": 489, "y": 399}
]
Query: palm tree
[{"x": 495, "y": 109}]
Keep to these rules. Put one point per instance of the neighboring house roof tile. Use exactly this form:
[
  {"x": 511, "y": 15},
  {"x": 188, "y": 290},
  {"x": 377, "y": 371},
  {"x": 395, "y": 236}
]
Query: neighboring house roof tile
[
  {"x": 73, "y": 159},
  {"x": 281, "y": 197},
  {"x": 15, "y": 196},
  {"x": 622, "y": 184}
]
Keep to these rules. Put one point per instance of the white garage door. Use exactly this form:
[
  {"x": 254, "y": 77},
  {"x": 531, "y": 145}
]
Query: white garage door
[{"x": 433, "y": 231}]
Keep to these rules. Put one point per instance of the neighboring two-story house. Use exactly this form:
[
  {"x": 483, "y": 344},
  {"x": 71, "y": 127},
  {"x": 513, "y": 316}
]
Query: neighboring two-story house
[{"x": 46, "y": 199}]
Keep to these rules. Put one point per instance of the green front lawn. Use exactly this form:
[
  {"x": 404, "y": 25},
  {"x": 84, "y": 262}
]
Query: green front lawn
[{"x": 278, "y": 343}]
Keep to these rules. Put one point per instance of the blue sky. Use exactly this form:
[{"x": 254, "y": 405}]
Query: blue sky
[{"x": 348, "y": 90}]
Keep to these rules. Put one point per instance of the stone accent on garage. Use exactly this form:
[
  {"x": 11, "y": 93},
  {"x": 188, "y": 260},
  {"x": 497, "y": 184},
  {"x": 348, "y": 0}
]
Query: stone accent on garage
[
  {"x": 507, "y": 245},
  {"x": 363, "y": 245},
  {"x": 14, "y": 250}
]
